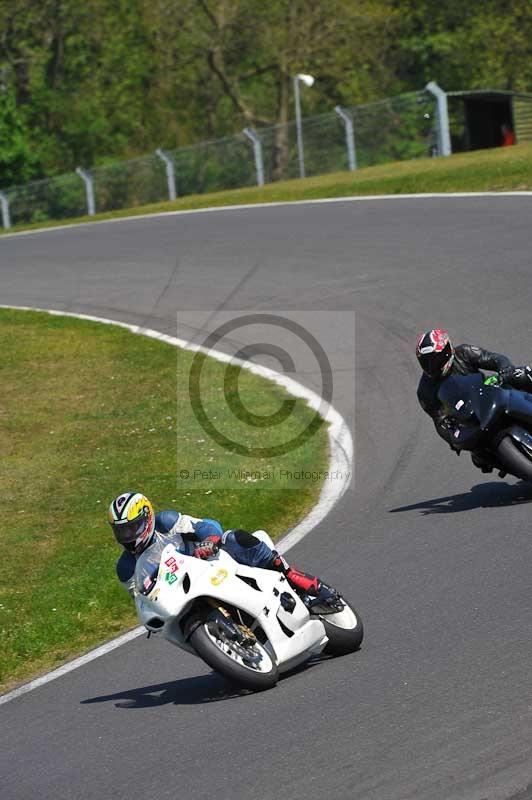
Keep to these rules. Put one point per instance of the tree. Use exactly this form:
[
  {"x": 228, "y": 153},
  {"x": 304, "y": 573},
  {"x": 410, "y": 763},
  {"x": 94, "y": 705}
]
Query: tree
[
  {"x": 17, "y": 161},
  {"x": 254, "y": 49},
  {"x": 90, "y": 82},
  {"x": 466, "y": 45}
]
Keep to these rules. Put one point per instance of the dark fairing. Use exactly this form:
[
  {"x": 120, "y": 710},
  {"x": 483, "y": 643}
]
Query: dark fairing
[
  {"x": 520, "y": 407},
  {"x": 485, "y": 415},
  {"x": 469, "y": 401}
]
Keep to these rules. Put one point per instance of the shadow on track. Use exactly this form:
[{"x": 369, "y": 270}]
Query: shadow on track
[
  {"x": 189, "y": 691},
  {"x": 483, "y": 495}
]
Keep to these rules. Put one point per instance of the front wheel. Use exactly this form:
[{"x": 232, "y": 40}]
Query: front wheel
[
  {"x": 344, "y": 630},
  {"x": 514, "y": 460},
  {"x": 250, "y": 667}
]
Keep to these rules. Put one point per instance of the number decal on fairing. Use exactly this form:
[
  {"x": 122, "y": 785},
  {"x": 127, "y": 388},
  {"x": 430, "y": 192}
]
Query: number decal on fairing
[{"x": 220, "y": 577}]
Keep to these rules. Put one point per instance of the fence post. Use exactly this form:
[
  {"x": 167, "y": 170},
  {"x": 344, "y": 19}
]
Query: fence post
[
  {"x": 4, "y": 202},
  {"x": 444, "y": 137},
  {"x": 299, "y": 131},
  {"x": 170, "y": 173},
  {"x": 257, "y": 151},
  {"x": 88, "y": 180},
  {"x": 349, "y": 137}
]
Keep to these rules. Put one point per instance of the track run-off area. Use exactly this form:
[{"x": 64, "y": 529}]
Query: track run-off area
[{"x": 436, "y": 556}]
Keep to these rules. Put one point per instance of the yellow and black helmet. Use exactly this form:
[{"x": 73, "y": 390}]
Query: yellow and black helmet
[{"x": 132, "y": 519}]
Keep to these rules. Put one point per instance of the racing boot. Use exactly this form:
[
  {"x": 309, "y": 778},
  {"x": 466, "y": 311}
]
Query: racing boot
[
  {"x": 480, "y": 461},
  {"x": 311, "y": 589},
  {"x": 486, "y": 463}
]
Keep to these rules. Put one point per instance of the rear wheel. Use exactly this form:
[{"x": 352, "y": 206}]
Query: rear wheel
[
  {"x": 344, "y": 630},
  {"x": 514, "y": 460},
  {"x": 250, "y": 666}
]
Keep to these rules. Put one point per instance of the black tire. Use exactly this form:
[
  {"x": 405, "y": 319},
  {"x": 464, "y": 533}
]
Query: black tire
[
  {"x": 342, "y": 640},
  {"x": 242, "y": 676},
  {"x": 514, "y": 460}
]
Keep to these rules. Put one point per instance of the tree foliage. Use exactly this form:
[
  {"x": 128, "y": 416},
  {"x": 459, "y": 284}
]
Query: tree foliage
[
  {"x": 84, "y": 83},
  {"x": 477, "y": 45}
]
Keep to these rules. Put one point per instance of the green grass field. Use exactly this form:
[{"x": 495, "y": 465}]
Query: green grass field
[
  {"x": 90, "y": 410},
  {"x": 502, "y": 169}
]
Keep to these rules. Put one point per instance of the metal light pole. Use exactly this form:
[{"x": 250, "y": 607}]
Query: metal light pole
[{"x": 308, "y": 80}]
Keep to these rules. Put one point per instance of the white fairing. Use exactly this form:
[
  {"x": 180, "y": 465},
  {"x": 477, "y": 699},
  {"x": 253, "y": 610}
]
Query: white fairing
[{"x": 292, "y": 636}]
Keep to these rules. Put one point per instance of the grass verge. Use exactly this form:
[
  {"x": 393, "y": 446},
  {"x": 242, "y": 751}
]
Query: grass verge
[
  {"x": 501, "y": 169},
  {"x": 88, "y": 411}
]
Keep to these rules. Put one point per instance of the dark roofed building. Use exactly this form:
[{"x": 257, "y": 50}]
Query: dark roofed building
[{"x": 478, "y": 118}]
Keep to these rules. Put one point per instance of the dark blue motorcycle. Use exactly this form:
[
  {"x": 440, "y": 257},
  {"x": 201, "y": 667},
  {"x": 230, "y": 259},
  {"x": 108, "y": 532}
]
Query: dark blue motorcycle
[{"x": 491, "y": 421}]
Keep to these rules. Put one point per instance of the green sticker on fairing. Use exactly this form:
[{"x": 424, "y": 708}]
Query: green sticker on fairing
[{"x": 493, "y": 380}]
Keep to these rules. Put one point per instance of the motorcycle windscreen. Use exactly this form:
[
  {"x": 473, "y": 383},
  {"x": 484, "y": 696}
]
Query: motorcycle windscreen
[
  {"x": 149, "y": 561},
  {"x": 456, "y": 395},
  {"x": 147, "y": 570}
]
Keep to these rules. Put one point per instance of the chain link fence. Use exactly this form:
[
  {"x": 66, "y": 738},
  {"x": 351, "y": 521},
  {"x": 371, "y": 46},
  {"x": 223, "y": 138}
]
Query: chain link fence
[{"x": 403, "y": 127}]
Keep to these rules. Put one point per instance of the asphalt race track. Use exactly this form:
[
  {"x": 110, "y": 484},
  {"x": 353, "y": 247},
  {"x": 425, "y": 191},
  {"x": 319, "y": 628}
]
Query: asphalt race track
[{"x": 437, "y": 704}]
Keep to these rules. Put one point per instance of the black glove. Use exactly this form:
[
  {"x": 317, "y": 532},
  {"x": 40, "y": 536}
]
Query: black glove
[
  {"x": 208, "y": 547},
  {"x": 522, "y": 377},
  {"x": 446, "y": 427},
  {"x": 447, "y": 423},
  {"x": 507, "y": 374}
]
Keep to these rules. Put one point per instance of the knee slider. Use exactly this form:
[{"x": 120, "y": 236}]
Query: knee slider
[{"x": 245, "y": 539}]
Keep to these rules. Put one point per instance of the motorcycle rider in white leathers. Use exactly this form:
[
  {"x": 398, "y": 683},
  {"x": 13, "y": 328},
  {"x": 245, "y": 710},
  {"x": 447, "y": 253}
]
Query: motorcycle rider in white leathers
[{"x": 137, "y": 527}]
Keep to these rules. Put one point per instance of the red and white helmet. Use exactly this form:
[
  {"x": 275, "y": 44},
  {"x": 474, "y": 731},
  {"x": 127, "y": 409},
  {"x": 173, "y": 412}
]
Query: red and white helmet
[
  {"x": 435, "y": 352},
  {"x": 132, "y": 519}
]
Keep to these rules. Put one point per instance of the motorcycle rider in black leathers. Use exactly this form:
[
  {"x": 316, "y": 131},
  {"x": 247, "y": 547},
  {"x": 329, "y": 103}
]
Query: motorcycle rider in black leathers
[{"x": 439, "y": 359}]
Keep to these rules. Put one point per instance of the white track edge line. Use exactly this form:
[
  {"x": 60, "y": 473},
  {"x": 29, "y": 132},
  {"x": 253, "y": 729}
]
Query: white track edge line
[
  {"x": 340, "y": 461},
  {"x": 273, "y": 204}
]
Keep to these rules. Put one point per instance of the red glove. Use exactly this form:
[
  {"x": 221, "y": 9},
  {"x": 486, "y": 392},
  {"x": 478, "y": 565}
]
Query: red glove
[{"x": 208, "y": 547}]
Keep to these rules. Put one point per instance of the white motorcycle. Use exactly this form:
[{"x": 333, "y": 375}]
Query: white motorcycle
[{"x": 246, "y": 623}]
